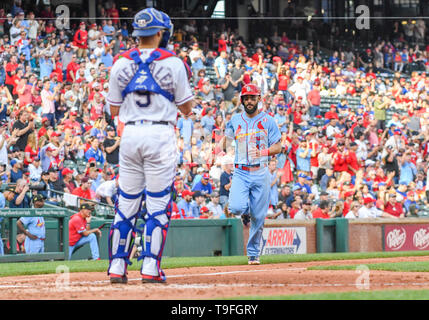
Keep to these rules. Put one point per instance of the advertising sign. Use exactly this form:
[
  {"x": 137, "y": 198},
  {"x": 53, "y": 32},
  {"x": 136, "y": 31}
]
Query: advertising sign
[
  {"x": 406, "y": 237},
  {"x": 284, "y": 241}
]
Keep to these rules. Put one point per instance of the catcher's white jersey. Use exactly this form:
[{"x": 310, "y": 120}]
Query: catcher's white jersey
[{"x": 169, "y": 73}]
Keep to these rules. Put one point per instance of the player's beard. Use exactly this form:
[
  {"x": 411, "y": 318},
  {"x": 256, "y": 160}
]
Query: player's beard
[{"x": 252, "y": 108}]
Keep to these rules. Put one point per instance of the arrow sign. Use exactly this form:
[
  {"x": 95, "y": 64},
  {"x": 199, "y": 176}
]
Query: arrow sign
[{"x": 297, "y": 241}]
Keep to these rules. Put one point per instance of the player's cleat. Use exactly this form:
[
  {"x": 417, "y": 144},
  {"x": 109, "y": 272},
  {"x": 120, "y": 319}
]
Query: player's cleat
[
  {"x": 246, "y": 219},
  {"x": 152, "y": 279},
  {"x": 116, "y": 278},
  {"x": 253, "y": 261}
]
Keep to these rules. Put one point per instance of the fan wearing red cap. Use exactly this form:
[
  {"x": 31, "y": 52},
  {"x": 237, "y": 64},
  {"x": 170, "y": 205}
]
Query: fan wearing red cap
[
  {"x": 80, "y": 40},
  {"x": 204, "y": 185},
  {"x": 299, "y": 88},
  {"x": 93, "y": 36},
  {"x": 43, "y": 129},
  {"x": 184, "y": 206},
  {"x": 73, "y": 124},
  {"x": 67, "y": 178},
  {"x": 205, "y": 213},
  {"x": 369, "y": 210}
]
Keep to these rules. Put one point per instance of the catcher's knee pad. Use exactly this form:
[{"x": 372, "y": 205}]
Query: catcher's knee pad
[
  {"x": 122, "y": 246},
  {"x": 156, "y": 227}
]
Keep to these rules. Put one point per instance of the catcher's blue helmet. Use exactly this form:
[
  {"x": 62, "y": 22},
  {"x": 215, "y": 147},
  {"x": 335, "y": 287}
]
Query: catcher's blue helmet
[{"x": 149, "y": 21}]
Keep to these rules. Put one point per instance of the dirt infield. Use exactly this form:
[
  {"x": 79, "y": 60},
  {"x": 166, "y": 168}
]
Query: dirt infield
[{"x": 215, "y": 282}]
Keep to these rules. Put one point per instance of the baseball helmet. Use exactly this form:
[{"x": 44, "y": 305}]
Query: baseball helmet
[
  {"x": 250, "y": 90},
  {"x": 149, "y": 21}
]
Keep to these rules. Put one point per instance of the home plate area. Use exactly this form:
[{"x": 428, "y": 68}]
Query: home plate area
[{"x": 218, "y": 282}]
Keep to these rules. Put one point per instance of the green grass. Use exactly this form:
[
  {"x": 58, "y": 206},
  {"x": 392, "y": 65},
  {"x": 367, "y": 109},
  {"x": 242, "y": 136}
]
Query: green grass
[
  {"x": 417, "y": 266},
  {"x": 31, "y": 268},
  {"x": 357, "y": 295}
]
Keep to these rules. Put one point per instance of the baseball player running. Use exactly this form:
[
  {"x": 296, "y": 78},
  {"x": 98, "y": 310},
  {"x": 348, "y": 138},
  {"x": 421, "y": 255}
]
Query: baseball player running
[
  {"x": 147, "y": 85},
  {"x": 257, "y": 137}
]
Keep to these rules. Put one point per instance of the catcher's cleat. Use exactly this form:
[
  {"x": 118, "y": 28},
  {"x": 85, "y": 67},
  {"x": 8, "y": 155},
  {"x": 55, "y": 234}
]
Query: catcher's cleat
[
  {"x": 253, "y": 261},
  {"x": 116, "y": 278},
  {"x": 152, "y": 279}
]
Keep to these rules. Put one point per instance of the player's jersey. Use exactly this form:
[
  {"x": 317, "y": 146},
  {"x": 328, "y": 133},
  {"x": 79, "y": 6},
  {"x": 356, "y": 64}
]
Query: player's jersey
[
  {"x": 260, "y": 132},
  {"x": 171, "y": 76},
  {"x": 35, "y": 225}
]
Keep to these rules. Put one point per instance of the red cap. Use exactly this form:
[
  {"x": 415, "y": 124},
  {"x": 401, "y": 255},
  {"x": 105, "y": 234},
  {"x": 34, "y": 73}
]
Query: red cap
[
  {"x": 66, "y": 171},
  {"x": 91, "y": 159},
  {"x": 55, "y": 134},
  {"x": 45, "y": 119},
  {"x": 82, "y": 23},
  {"x": 348, "y": 194},
  {"x": 187, "y": 193},
  {"x": 49, "y": 149},
  {"x": 73, "y": 113},
  {"x": 250, "y": 89},
  {"x": 368, "y": 200},
  {"x": 204, "y": 210},
  {"x": 206, "y": 176}
]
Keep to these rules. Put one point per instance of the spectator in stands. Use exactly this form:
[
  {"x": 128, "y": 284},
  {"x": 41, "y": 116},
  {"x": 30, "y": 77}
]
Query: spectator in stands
[
  {"x": 204, "y": 186},
  {"x": 20, "y": 198},
  {"x": 198, "y": 203},
  {"x": 221, "y": 65},
  {"x": 16, "y": 172},
  {"x": 107, "y": 191},
  {"x": 305, "y": 212},
  {"x": 95, "y": 152},
  {"x": 111, "y": 146},
  {"x": 84, "y": 191},
  {"x": 215, "y": 207},
  {"x": 80, "y": 40},
  {"x": 23, "y": 126},
  {"x": 185, "y": 205}
]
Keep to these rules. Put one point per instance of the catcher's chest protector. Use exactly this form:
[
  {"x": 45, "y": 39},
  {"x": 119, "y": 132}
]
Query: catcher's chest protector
[{"x": 143, "y": 80}]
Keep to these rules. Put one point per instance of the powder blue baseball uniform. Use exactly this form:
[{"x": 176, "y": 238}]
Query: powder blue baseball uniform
[
  {"x": 250, "y": 190},
  {"x": 36, "y": 226}
]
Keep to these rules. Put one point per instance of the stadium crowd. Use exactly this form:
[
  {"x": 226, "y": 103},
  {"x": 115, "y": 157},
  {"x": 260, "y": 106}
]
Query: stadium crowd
[{"x": 352, "y": 162}]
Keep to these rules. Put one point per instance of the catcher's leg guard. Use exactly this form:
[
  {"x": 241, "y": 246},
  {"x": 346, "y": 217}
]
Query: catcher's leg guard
[
  {"x": 122, "y": 233},
  {"x": 155, "y": 234}
]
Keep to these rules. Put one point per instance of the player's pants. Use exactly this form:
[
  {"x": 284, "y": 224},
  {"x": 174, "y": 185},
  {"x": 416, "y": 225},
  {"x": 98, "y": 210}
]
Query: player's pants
[
  {"x": 147, "y": 162},
  {"x": 93, "y": 245},
  {"x": 250, "y": 191},
  {"x": 34, "y": 246}
]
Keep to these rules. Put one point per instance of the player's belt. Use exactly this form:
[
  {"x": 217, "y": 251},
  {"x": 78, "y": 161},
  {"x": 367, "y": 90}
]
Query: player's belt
[
  {"x": 249, "y": 168},
  {"x": 147, "y": 122}
]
